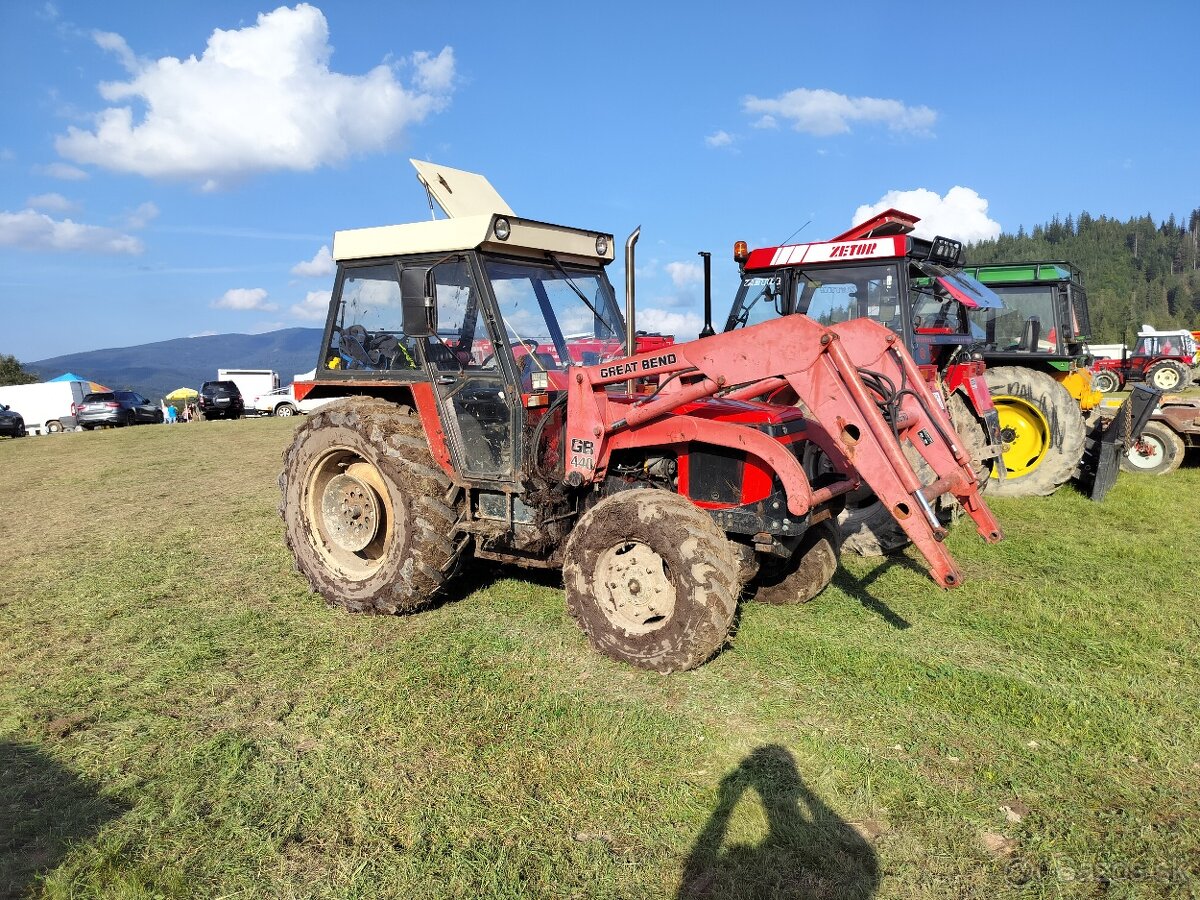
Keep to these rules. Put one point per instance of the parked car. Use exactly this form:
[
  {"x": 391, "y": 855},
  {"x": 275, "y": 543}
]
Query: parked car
[
  {"x": 117, "y": 408},
  {"x": 11, "y": 422},
  {"x": 220, "y": 400},
  {"x": 283, "y": 402}
]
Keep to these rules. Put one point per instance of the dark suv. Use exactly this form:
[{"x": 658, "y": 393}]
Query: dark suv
[
  {"x": 11, "y": 422},
  {"x": 116, "y": 408},
  {"x": 221, "y": 400}
]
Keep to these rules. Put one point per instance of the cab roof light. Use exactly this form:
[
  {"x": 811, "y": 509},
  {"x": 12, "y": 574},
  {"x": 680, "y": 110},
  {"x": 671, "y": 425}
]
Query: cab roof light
[{"x": 741, "y": 252}]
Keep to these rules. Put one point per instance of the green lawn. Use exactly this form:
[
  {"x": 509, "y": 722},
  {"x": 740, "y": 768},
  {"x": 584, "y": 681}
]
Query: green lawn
[{"x": 180, "y": 717}]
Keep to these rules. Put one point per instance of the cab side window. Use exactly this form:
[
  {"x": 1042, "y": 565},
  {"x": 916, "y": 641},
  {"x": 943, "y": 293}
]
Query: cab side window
[
  {"x": 462, "y": 340},
  {"x": 369, "y": 332}
]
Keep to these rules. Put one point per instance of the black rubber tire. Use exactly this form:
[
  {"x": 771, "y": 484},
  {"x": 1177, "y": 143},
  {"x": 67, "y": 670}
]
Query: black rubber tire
[
  {"x": 53, "y": 426},
  {"x": 688, "y": 556},
  {"x": 1105, "y": 382},
  {"x": 410, "y": 560},
  {"x": 869, "y": 529},
  {"x": 806, "y": 574},
  {"x": 1061, "y": 448},
  {"x": 285, "y": 409},
  {"x": 1165, "y": 453},
  {"x": 1169, "y": 375}
]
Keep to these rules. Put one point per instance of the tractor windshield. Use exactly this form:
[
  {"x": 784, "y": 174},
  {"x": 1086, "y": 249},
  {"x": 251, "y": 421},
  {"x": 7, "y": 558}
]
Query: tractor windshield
[
  {"x": 828, "y": 294},
  {"x": 1010, "y": 328},
  {"x": 556, "y": 315}
]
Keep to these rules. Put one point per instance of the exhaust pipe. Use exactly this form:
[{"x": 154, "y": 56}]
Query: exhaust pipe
[
  {"x": 707, "y": 330},
  {"x": 630, "y": 321}
]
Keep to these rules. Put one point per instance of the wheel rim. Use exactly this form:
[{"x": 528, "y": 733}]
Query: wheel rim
[
  {"x": 1147, "y": 453},
  {"x": 350, "y": 514},
  {"x": 634, "y": 587},
  {"x": 1104, "y": 383},
  {"x": 1165, "y": 378},
  {"x": 1025, "y": 433},
  {"x": 285, "y": 411}
]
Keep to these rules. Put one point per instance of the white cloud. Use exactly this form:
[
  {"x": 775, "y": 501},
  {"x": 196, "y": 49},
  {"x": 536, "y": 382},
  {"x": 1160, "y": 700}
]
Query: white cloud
[
  {"x": 321, "y": 265},
  {"x": 823, "y": 112},
  {"x": 62, "y": 172},
  {"x": 31, "y": 230},
  {"x": 142, "y": 216},
  {"x": 314, "y": 307},
  {"x": 961, "y": 214},
  {"x": 51, "y": 203},
  {"x": 684, "y": 274},
  {"x": 684, "y": 325},
  {"x": 258, "y": 99},
  {"x": 243, "y": 299},
  {"x": 719, "y": 139}
]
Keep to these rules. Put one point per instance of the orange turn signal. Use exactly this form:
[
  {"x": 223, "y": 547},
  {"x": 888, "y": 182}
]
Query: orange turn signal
[{"x": 741, "y": 252}]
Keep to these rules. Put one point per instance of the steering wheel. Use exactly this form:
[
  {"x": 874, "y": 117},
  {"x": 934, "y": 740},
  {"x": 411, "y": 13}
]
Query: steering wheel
[{"x": 354, "y": 344}]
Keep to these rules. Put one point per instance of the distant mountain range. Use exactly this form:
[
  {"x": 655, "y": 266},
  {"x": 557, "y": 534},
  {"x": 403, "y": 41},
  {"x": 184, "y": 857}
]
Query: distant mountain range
[{"x": 159, "y": 368}]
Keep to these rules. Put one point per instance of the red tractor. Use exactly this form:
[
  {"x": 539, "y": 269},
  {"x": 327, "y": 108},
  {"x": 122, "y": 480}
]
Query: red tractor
[
  {"x": 878, "y": 270},
  {"x": 1162, "y": 359},
  {"x": 655, "y": 483}
]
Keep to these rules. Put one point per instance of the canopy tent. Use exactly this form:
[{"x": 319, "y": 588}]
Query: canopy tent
[
  {"x": 183, "y": 393},
  {"x": 93, "y": 386}
]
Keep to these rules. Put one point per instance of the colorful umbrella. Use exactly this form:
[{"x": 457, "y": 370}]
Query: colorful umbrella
[{"x": 183, "y": 393}]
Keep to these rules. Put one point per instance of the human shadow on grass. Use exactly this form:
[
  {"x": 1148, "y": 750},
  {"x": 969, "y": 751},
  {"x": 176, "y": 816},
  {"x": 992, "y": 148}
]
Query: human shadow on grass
[
  {"x": 45, "y": 808},
  {"x": 808, "y": 852}
]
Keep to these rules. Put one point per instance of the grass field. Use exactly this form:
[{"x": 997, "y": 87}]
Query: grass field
[{"x": 180, "y": 717}]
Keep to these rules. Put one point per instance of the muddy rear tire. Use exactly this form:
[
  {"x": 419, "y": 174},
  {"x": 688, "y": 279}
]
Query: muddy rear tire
[
  {"x": 1157, "y": 451},
  {"x": 651, "y": 580},
  {"x": 806, "y": 574},
  {"x": 1042, "y": 429},
  {"x": 365, "y": 508}
]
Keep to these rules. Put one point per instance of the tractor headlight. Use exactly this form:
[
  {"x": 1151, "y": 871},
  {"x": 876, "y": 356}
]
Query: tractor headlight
[
  {"x": 601, "y": 244},
  {"x": 502, "y": 229}
]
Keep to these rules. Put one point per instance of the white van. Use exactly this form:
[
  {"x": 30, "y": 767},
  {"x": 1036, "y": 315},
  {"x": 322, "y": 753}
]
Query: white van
[{"x": 48, "y": 406}]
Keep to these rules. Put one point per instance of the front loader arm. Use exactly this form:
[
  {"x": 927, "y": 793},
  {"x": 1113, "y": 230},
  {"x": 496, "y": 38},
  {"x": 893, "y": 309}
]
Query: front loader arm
[{"x": 826, "y": 369}]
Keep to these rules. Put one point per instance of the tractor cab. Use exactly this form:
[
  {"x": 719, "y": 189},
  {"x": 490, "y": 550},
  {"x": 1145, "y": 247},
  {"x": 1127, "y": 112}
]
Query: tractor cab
[
  {"x": 1045, "y": 314},
  {"x": 877, "y": 270},
  {"x": 489, "y": 318}
]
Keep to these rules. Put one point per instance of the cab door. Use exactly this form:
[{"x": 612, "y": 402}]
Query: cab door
[{"x": 479, "y": 408}]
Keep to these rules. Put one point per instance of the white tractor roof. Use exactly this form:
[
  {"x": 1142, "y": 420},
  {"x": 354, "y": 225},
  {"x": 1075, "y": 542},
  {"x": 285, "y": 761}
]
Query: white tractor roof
[
  {"x": 460, "y": 193},
  {"x": 473, "y": 206}
]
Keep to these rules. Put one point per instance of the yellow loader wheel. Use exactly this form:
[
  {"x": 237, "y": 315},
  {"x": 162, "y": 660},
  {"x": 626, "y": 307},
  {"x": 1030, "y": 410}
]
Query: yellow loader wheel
[{"x": 1041, "y": 428}]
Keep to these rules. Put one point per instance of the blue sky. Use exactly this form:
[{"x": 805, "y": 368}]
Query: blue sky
[{"x": 175, "y": 169}]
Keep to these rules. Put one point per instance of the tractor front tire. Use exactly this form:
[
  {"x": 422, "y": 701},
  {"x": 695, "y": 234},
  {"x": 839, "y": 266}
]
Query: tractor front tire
[
  {"x": 651, "y": 580},
  {"x": 366, "y": 510},
  {"x": 1169, "y": 375},
  {"x": 1106, "y": 382},
  {"x": 1042, "y": 430},
  {"x": 808, "y": 571},
  {"x": 1157, "y": 451}
]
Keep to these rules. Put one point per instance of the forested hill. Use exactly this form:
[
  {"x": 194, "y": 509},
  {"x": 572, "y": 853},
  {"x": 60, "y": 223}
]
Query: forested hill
[{"x": 1134, "y": 272}]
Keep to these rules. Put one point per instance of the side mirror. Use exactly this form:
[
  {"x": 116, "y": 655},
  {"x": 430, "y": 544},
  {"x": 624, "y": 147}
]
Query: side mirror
[{"x": 416, "y": 300}]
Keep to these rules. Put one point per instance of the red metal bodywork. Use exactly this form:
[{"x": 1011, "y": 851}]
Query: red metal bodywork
[{"x": 821, "y": 366}]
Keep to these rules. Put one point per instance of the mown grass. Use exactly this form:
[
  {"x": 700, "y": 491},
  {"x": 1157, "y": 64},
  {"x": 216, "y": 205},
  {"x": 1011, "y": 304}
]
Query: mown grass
[{"x": 179, "y": 716}]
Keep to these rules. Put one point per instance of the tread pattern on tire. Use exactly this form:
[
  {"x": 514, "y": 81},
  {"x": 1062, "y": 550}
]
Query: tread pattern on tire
[
  {"x": 1182, "y": 373},
  {"x": 704, "y": 570},
  {"x": 1067, "y": 431},
  {"x": 391, "y": 438},
  {"x": 811, "y": 568}
]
